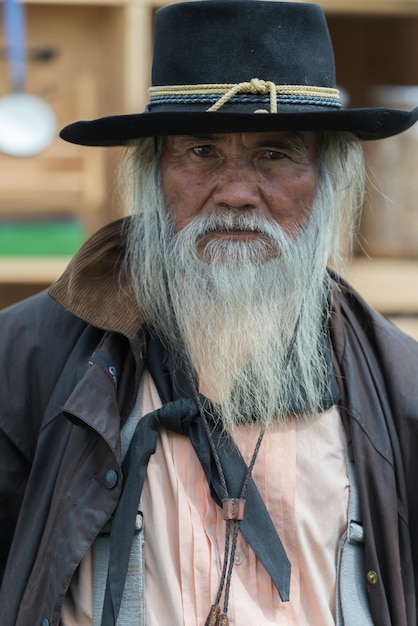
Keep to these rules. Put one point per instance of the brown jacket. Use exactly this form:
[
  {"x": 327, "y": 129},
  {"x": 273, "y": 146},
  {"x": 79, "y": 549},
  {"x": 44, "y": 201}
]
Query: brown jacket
[{"x": 62, "y": 405}]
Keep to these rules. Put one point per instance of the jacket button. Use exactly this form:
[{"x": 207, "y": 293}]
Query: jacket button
[
  {"x": 111, "y": 479},
  {"x": 372, "y": 577},
  {"x": 45, "y": 622}
]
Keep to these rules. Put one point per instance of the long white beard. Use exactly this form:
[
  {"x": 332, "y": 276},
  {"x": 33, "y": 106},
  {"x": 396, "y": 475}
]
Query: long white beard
[{"x": 252, "y": 328}]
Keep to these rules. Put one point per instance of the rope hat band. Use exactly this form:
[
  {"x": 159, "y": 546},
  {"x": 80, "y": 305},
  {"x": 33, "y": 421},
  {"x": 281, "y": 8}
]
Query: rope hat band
[
  {"x": 218, "y": 63},
  {"x": 253, "y": 91}
]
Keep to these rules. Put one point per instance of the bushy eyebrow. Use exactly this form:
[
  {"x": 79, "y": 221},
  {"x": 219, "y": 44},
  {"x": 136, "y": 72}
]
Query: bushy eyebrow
[
  {"x": 182, "y": 142},
  {"x": 294, "y": 141},
  {"x": 282, "y": 143},
  {"x": 200, "y": 137}
]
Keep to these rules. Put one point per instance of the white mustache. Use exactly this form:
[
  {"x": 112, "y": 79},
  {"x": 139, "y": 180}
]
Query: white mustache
[{"x": 231, "y": 221}]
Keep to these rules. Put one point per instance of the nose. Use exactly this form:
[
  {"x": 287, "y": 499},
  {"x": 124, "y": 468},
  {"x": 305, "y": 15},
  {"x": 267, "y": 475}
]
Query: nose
[{"x": 236, "y": 185}]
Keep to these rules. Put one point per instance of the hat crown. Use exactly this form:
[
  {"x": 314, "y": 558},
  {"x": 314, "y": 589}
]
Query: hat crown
[
  {"x": 232, "y": 41},
  {"x": 218, "y": 64}
]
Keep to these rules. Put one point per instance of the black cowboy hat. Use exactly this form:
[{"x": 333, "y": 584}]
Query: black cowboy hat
[{"x": 241, "y": 65}]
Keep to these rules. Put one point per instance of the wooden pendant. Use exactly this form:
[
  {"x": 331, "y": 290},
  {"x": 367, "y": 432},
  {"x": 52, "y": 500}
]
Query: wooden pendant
[{"x": 233, "y": 508}]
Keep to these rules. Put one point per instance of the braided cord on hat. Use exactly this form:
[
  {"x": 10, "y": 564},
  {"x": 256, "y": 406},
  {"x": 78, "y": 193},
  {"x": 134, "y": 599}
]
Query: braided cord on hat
[
  {"x": 255, "y": 86},
  {"x": 327, "y": 96}
]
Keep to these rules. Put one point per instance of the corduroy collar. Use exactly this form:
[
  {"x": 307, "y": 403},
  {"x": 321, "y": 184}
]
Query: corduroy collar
[{"x": 95, "y": 286}]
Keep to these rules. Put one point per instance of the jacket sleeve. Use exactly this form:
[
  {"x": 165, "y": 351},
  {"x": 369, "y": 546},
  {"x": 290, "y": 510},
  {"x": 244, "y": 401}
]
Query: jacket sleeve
[
  {"x": 36, "y": 337},
  {"x": 13, "y": 475},
  {"x": 379, "y": 367}
]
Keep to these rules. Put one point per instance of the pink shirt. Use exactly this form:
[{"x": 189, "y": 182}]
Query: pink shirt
[{"x": 301, "y": 474}]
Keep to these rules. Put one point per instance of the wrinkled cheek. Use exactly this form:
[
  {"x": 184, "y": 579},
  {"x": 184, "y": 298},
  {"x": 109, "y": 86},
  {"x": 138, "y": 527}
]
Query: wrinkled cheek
[
  {"x": 179, "y": 212},
  {"x": 183, "y": 206},
  {"x": 298, "y": 217}
]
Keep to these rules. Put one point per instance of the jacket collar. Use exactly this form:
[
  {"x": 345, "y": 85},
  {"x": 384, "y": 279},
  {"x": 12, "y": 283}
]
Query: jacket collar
[{"x": 96, "y": 287}]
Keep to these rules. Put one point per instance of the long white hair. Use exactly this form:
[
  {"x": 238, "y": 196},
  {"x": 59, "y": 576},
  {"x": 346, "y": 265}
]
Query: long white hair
[{"x": 254, "y": 332}]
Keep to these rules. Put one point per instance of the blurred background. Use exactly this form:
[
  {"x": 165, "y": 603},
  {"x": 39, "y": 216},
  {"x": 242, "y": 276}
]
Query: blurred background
[{"x": 90, "y": 59}]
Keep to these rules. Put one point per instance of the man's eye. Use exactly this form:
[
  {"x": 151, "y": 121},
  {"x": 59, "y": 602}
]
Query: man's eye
[
  {"x": 274, "y": 155},
  {"x": 203, "y": 150}
]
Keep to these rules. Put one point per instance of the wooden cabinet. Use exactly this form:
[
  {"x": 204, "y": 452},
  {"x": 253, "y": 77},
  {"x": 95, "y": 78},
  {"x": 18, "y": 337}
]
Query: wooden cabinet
[
  {"x": 78, "y": 63},
  {"x": 98, "y": 63},
  {"x": 74, "y": 65}
]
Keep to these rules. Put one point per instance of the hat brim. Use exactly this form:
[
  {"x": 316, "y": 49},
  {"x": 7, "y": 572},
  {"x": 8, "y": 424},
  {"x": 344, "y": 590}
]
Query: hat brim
[{"x": 119, "y": 130}]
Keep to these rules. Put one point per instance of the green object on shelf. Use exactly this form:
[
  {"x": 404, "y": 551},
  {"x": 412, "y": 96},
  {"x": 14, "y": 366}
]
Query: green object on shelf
[{"x": 43, "y": 238}]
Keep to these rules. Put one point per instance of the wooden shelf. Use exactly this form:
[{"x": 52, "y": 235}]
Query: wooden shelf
[
  {"x": 25, "y": 276},
  {"x": 390, "y": 286},
  {"x": 31, "y": 270}
]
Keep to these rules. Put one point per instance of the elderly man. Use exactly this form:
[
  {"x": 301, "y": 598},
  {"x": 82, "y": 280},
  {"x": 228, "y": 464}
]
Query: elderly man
[{"x": 200, "y": 423}]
